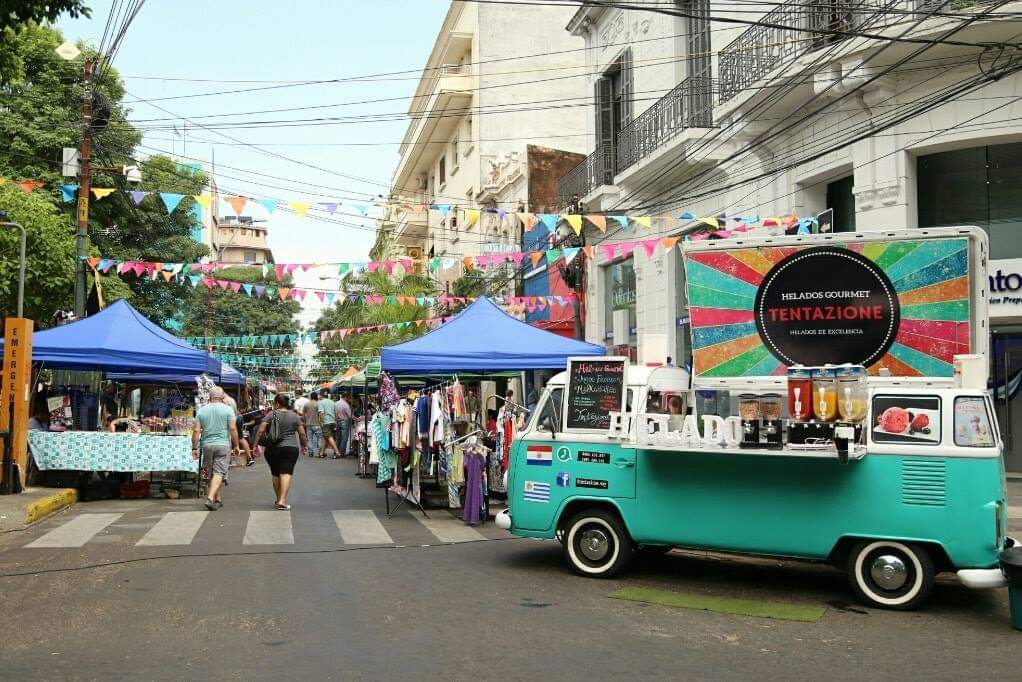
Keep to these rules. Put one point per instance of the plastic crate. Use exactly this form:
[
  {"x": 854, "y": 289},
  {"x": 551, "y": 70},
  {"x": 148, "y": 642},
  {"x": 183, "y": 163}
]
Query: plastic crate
[{"x": 135, "y": 489}]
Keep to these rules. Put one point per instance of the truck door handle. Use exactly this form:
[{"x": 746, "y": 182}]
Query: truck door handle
[{"x": 623, "y": 463}]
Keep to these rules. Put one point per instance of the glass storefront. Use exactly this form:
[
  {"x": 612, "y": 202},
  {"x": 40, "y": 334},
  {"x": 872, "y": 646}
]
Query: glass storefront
[
  {"x": 978, "y": 186},
  {"x": 619, "y": 308}
]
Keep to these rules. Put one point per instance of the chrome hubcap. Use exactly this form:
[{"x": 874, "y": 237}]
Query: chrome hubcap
[
  {"x": 888, "y": 572},
  {"x": 594, "y": 544}
]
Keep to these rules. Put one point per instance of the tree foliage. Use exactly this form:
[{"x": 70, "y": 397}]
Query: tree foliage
[
  {"x": 49, "y": 270},
  {"x": 215, "y": 312},
  {"x": 347, "y": 314},
  {"x": 19, "y": 16}
]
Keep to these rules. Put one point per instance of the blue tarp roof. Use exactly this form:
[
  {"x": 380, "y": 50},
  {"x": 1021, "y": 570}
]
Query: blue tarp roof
[
  {"x": 228, "y": 377},
  {"x": 119, "y": 339},
  {"x": 483, "y": 338}
]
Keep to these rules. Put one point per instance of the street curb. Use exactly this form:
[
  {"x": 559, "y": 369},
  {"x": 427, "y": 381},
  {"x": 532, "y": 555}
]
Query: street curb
[{"x": 58, "y": 500}]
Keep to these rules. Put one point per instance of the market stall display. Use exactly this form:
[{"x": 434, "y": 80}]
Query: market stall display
[{"x": 104, "y": 451}]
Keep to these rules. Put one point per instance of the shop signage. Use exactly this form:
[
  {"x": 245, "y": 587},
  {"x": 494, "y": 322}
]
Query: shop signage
[
  {"x": 901, "y": 304},
  {"x": 596, "y": 387},
  {"x": 827, "y": 305},
  {"x": 15, "y": 383},
  {"x": 1005, "y": 286}
]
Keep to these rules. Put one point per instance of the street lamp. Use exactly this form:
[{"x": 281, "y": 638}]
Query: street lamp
[{"x": 21, "y": 263}]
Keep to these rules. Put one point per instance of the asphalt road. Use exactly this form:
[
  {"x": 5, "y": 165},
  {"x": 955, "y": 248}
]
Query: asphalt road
[{"x": 236, "y": 600}]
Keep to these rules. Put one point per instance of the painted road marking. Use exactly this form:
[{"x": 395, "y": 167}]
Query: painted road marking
[
  {"x": 269, "y": 528},
  {"x": 75, "y": 532},
  {"x": 361, "y": 527},
  {"x": 175, "y": 528},
  {"x": 446, "y": 528}
]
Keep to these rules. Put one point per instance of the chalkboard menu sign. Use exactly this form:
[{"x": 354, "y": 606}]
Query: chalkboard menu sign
[{"x": 596, "y": 387}]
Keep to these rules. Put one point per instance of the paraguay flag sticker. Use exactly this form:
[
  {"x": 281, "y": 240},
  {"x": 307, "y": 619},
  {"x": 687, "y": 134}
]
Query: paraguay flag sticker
[
  {"x": 535, "y": 491},
  {"x": 540, "y": 455}
]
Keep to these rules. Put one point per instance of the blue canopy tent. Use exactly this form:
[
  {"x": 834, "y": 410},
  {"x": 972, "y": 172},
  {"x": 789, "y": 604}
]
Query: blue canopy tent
[
  {"x": 228, "y": 377},
  {"x": 483, "y": 338},
  {"x": 119, "y": 339}
]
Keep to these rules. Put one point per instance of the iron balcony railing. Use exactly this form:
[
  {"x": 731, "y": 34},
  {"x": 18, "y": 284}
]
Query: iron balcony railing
[
  {"x": 688, "y": 105},
  {"x": 595, "y": 170},
  {"x": 760, "y": 49}
]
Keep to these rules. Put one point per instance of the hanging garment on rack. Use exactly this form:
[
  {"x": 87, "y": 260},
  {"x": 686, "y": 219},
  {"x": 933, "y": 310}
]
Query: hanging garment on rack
[
  {"x": 475, "y": 462},
  {"x": 388, "y": 391},
  {"x": 472, "y": 408},
  {"x": 422, "y": 416},
  {"x": 436, "y": 419},
  {"x": 455, "y": 475},
  {"x": 406, "y": 421},
  {"x": 508, "y": 429},
  {"x": 457, "y": 396},
  {"x": 495, "y": 474}
]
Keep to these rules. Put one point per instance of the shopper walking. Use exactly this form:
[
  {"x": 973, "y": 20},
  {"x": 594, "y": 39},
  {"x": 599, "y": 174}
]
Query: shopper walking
[
  {"x": 313, "y": 427},
  {"x": 216, "y": 437},
  {"x": 300, "y": 400},
  {"x": 327, "y": 420},
  {"x": 284, "y": 437},
  {"x": 342, "y": 410}
]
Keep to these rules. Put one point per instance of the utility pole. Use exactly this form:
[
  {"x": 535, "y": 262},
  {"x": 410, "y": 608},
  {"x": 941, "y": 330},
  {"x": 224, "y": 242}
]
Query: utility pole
[{"x": 84, "y": 187}]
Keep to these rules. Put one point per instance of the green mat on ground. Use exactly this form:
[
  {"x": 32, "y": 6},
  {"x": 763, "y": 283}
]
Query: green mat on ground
[{"x": 744, "y": 607}]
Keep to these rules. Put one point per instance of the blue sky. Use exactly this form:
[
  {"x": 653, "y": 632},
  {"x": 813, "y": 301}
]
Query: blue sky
[{"x": 278, "y": 41}]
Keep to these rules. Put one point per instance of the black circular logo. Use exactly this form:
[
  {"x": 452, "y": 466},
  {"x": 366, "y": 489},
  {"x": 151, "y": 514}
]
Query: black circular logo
[{"x": 827, "y": 305}]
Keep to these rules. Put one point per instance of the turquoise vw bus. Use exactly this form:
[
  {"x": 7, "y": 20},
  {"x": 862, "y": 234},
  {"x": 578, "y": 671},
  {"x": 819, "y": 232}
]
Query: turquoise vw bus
[{"x": 919, "y": 490}]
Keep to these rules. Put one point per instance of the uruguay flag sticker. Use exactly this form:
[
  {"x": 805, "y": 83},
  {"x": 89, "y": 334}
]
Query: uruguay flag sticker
[
  {"x": 535, "y": 491},
  {"x": 539, "y": 455}
]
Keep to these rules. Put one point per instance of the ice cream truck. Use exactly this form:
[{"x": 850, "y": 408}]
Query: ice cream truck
[{"x": 836, "y": 410}]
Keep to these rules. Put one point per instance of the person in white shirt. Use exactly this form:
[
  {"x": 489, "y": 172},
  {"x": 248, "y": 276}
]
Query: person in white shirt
[{"x": 300, "y": 402}]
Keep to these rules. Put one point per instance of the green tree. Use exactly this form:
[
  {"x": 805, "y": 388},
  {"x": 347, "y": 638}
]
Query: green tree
[
  {"x": 215, "y": 312},
  {"x": 49, "y": 270},
  {"x": 40, "y": 109},
  {"x": 19, "y": 16},
  {"x": 346, "y": 314}
]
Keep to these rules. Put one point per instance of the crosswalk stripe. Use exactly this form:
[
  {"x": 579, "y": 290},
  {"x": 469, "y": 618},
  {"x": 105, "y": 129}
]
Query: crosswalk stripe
[
  {"x": 269, "y": 528},
  {"x": 175, "y": 528},
  {"x": 76, "y": 532},
  {"x": 446, "y": 528},
  {"x": 361, "y": 527}
]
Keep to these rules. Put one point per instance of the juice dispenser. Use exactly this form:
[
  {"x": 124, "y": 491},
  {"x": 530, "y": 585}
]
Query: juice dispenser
[
  {"x": 748, "y": 410},
  {"x": 771, "y": 426},
  {"x": 800, "y": 389},
  {"x": 852, "y": 393},
  {"x": 824, "y": 394}
]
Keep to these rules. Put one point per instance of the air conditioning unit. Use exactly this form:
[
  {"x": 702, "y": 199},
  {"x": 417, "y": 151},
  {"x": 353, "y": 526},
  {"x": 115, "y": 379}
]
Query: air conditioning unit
[{"x": 622, "y": 327}]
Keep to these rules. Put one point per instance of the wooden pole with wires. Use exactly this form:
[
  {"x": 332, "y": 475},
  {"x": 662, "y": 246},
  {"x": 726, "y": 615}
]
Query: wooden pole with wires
[{"x": 84, "y": 187}]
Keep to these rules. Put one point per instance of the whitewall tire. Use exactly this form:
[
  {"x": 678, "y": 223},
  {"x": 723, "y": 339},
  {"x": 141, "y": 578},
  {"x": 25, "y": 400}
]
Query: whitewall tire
[
  {"x": 890, "y": 575},
  {"x": 597, "y": 544}
]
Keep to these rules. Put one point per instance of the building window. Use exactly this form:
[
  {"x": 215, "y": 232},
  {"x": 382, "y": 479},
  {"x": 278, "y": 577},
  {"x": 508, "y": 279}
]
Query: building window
[
  {"x": 978, "y": 186},
  {"x": 699, "y": 104},
  {"x": 468, "y": 136},
  {"x": 442, "y": 172},
  {"x": 251, "y": 257},
  {"x": 613, "y": 99},
  {"x": 619, "y": 307},
  {"x": 841, "y": 200},
  {"x": 454, "y": 152}
]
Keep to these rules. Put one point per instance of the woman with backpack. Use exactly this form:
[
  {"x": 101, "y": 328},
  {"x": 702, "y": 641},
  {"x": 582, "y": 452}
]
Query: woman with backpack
[{"x": 283, "y": 437}]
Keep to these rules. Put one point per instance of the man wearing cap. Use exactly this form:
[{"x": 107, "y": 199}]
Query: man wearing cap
[{"x": 217, "y": 435}]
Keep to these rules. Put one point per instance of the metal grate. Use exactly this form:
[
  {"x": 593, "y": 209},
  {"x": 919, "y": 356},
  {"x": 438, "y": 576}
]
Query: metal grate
[{"x": 924, "y": 482}]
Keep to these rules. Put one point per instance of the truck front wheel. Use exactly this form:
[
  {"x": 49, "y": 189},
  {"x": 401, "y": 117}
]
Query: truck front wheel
[
  {"x": 597, "y": 544},
  {"x": 891, "y": 575}
]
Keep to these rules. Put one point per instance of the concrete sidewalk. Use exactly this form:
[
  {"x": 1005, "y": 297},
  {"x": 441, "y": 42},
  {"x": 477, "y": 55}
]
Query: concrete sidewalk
[{"x": 20, "y": 511}]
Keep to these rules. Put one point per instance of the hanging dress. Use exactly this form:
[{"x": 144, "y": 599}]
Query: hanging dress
[{"x": 474, "y": 463}]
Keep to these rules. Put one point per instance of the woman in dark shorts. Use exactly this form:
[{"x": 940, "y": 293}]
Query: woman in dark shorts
[{"x": 282, "y": 455}]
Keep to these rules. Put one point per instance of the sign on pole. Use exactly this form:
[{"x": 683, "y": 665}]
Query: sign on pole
[{"x": 15, "y": 386}]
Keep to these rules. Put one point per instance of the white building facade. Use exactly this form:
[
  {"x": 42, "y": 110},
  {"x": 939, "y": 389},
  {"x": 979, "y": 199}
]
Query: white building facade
[
  {"x": 863, "y": 115},
  {"x": 481, "y": 130}
]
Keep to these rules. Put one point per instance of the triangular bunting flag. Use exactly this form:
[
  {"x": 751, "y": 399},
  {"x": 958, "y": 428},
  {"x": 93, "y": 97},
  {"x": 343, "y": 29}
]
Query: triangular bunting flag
[
  {"x": 204, "y": 200},
  {"x": 237, "y": 204},
  {"x": 269, "y": 204},
  {"x": 138, "y": 195},
  {"x": 299, "y": 207},
  {"x": 575, "y": 221},
  {"x": 100, "y": 192},
  {"x": 598, "y": 220},
  {"x": 67, "y": 192},
  {"x": 171, "y": 200}
]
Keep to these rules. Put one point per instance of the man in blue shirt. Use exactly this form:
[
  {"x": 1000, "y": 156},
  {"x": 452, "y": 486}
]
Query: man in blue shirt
[{"x": 216, "y": 433}]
